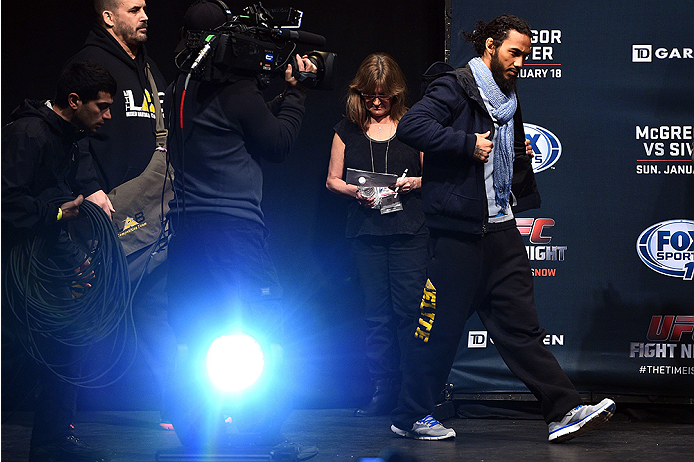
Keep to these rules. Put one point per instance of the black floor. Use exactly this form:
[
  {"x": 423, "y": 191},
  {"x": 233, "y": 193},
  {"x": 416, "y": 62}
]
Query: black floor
[{"x": 135, "y": 437}]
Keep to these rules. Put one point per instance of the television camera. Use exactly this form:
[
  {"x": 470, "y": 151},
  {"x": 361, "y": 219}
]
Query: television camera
[{"x": 258, "y": 42}]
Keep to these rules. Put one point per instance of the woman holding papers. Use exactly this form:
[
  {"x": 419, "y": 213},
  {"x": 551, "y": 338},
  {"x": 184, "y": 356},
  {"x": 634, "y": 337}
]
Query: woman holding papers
[{"x": 385, "y": 222}]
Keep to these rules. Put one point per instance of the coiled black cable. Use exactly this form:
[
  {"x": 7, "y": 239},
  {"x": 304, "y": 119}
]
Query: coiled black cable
[{"x": 80, "y": 305}]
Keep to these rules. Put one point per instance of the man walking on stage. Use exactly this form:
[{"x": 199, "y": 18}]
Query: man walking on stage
[{"x": 476, "y": 174}]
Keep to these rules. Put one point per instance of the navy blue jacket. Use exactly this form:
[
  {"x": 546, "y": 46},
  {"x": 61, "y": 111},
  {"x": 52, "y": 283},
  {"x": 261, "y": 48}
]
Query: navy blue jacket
[
  {"x": 443, "y": 125},
  {"x": 227, "y": 129}
]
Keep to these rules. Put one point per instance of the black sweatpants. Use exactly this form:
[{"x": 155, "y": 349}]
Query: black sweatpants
[{"x": 491, "y": 275}]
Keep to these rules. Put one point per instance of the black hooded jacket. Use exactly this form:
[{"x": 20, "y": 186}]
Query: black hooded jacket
[
  {"x": 123, "y": 147},
  {"x": 38, "y": 167}
]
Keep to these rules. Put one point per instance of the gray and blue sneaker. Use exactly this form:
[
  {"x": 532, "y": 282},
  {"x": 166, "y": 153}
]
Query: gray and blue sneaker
[
  {"x": 581, "y": 419},
  {"x": 427, "y": 428}
]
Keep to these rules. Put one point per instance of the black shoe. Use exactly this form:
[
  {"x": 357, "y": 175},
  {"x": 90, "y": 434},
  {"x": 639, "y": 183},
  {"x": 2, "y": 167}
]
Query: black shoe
[
  {"x": 68, "y": 449},
  {"x": 293, "y": 451},
  {"x": 383, "y": 400}
]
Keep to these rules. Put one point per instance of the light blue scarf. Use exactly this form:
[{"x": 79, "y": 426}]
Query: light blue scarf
[{"x": 503, "y": 109}]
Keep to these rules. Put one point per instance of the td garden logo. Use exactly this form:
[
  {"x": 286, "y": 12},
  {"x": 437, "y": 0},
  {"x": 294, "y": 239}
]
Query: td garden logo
[
  {"x": 646, "y": 53},
  {"x": 668, "y": 248},
  {"x": 546, "y": 147}
]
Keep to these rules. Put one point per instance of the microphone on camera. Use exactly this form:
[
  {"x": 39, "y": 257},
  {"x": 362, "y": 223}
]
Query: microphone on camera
[{"x": 306, "y": 38}]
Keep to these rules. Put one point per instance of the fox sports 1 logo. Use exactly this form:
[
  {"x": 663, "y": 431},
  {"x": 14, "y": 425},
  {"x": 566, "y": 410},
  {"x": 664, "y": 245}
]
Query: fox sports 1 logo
[
  {"x": 546, "y": 147},
  {"x": 668, "y": 248}
]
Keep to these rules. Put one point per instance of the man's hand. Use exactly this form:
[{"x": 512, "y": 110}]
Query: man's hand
[
  {"x": 101, "y": 199},
  {"x": 529, "y": 148},
  {"x": 84, "y": 274},
  {"x": 71, "y": 209},
  {"x": 304, "y": 65},
  {"x": 483, "y": 147}
]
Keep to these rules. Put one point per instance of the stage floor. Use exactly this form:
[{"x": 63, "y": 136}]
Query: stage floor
[{"x": 134, "y": 436}]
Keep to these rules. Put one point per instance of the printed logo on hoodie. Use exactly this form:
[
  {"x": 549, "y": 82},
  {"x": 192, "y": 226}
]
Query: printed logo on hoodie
[{"x": 135, "y": 109}]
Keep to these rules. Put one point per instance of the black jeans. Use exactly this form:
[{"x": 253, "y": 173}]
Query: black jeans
[
  {"x": 156, "y": 342},
  {"x": 221, "y": 279},
  {"x": 491, "y": 275},
  {"x": 392, "y": 271},
  {"x": 56, "y": 402},
  {"x": 220, "y": 272}
]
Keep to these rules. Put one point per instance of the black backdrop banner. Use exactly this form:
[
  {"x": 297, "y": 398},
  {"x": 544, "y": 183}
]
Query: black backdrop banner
[
  {"x": 608, "y": 105},
  {"x": 306, "y": 221}
]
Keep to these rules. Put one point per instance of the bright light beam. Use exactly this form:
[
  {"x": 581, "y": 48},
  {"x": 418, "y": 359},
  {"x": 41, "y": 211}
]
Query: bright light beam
[{"x": 234, "y": 362}]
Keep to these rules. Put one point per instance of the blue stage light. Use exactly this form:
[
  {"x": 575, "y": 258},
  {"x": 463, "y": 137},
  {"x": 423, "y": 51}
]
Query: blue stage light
[{"x": 235, "y": 362}]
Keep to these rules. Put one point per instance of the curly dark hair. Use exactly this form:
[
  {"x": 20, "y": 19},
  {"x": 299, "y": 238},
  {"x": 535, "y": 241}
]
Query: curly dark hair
[{"x": 497, "y": 29}]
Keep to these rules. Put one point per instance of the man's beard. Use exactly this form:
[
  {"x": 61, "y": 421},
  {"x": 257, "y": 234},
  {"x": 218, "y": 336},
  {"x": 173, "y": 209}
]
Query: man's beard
[
  {"x": 506, "y": 84},
  {"x": 131, "y": 36}
]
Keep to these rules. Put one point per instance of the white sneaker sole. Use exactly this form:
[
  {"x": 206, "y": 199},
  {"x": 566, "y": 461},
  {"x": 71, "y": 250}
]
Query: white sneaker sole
[
  {"x": 591, "y": 422},
  {"x": 417, "y": 436}
]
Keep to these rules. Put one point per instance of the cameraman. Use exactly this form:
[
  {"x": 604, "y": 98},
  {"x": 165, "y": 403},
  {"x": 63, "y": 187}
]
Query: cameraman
[{"x": 220, "y": 270}]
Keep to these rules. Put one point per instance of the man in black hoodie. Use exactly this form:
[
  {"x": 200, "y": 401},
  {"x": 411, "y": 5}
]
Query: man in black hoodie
[
  {"x": 122, "y": 150},
  {"x": 38, "y": 171}
]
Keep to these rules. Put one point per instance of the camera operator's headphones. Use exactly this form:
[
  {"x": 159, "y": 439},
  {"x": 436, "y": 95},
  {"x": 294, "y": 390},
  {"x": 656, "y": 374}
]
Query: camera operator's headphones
[
  {"x": 224, "y": 8},
  {"x": 220, "y": 4}
]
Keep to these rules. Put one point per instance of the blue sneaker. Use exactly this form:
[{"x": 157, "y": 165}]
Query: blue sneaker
[
  {"x": 427, "y": 428},
  {"x": 581, "y": 419}
]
